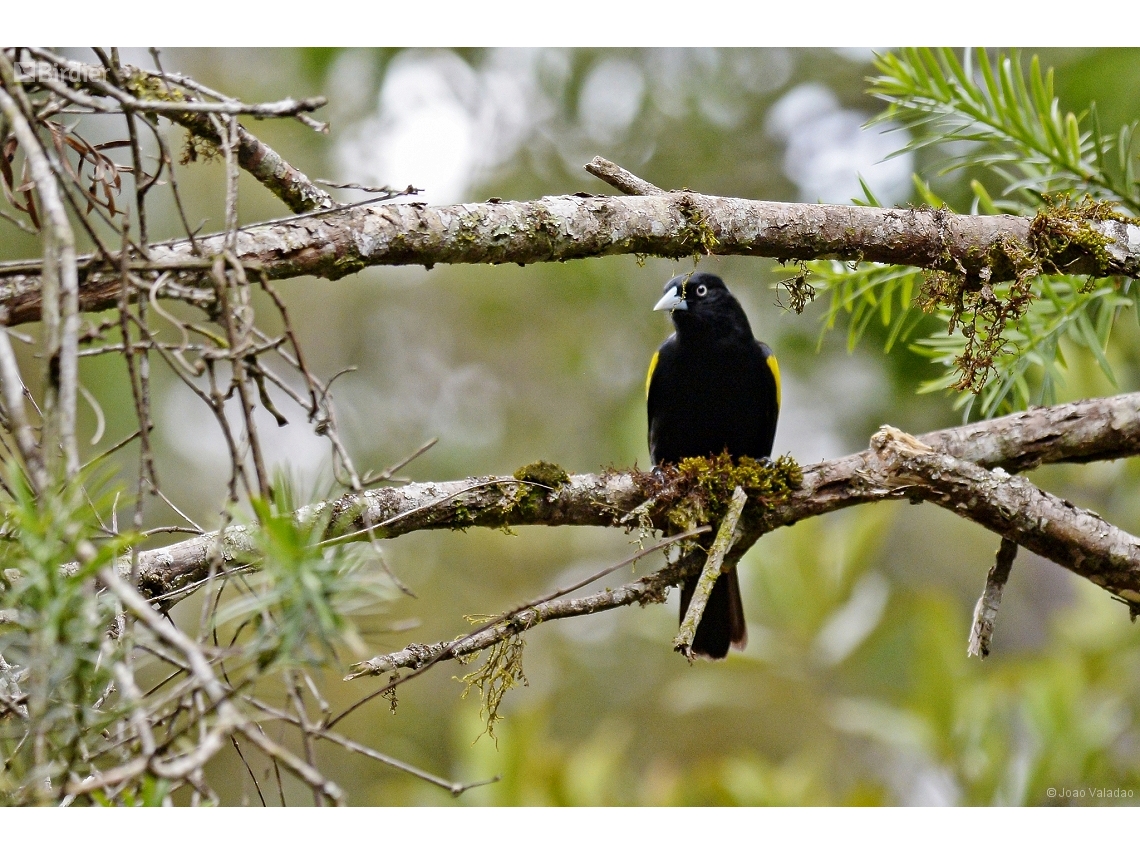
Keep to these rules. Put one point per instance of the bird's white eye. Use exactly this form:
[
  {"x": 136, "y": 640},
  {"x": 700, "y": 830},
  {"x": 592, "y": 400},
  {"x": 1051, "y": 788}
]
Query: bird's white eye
[{"x": 702, "y": 290}]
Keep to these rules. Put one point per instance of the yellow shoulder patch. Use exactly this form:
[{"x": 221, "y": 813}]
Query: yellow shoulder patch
[
  {"x": 775, "y": 368},
  {"x": 652, "y": 368}
]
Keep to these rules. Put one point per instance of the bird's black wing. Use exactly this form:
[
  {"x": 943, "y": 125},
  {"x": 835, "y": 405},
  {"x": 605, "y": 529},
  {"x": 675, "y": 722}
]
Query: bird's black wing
[{"x": 765, "y": 394}]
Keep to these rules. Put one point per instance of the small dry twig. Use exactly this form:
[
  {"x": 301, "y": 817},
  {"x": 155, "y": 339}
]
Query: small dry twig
[
  {"x": 726, "y": 538},
  {"x": 985, "y": 612}
]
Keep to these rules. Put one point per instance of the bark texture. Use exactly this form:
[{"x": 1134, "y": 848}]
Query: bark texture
[
  {"x": 1013, "y": 507},
  {"x": 955, "y": 477},
  {"x": 331, "y": 244}
]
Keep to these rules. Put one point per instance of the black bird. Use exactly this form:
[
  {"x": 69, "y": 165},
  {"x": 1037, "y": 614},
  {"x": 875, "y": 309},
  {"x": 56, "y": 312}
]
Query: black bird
[{"x": 711, "y": 388}]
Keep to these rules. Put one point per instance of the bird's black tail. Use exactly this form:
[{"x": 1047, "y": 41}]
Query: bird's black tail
[{"x": 722, "y": 624}]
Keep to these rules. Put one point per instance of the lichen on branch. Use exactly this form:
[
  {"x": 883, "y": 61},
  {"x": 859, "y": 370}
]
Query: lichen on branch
[
  {"x": 698, "y": 490},
  {"x": 1100, "y": 429},
  {"x": 333, "y": 244},
  {"x": 987, "y": 303}
]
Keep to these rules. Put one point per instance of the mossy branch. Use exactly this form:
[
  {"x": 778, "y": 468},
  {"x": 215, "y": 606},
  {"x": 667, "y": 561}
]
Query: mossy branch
[
  {"x": 1099, "y": 429},
  {"x": 896, "y": 466},
  {"x": 333, "y": 244},
  {"x": 1064, "y": 237}
]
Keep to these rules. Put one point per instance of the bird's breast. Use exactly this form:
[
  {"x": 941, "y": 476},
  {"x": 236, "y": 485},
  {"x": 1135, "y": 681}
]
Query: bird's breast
[{"x": 706, "y": 400}]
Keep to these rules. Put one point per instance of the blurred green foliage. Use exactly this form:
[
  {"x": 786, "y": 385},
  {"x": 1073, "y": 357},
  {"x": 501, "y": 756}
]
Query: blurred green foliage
[
  {"x": 1000, "y": 118},
  {"x": 855, "y": 688},
  {"x": 53, "y": 632}
]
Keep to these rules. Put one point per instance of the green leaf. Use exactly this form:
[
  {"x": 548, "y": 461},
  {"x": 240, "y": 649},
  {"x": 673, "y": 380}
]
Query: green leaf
[
  {"x": 1093, "y": 343},
  {"x": 1018, "y": 122},
  {"x": 1073, "y": 131},
  {"x": 869, "y": 198},
  {"x": 985, "y": 204}
]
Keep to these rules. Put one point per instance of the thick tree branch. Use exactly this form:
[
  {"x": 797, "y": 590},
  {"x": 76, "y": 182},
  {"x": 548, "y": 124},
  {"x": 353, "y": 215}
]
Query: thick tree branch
[
  {"x": 1013, "y": 507},
  {"x": 285, "y": 181},
  {"x": 560, "y": 228},
  {"x": 898, "y": 466},
  {"x": 1097, "y": 429}
]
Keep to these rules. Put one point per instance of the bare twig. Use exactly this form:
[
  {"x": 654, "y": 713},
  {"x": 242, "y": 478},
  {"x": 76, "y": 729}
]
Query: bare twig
[
  {"x": 118, "y": 445},
  {"x": 13, "y": 390},
  {"x": 139, "y": 393},
  {"x": 622, "y": 179},
  {"x": 453, "y": 787},
  {"x": 384, "y": 192},
  {"x": 260, "y": 160},
  {"x": 238, "y": 339},
  {"x": 726, "y": 537},
  {"x": 294, "y": 764},
  {"x": 386, "y": 474},
  {"x": 125, "y": 680},
  {"x": 307, "y": 730},
  {"x": 985, "y": 612},
  {"x": 253, "y": 777},
  {"x": 100, "y": 421},
  {"x": 60, "y": 297}
]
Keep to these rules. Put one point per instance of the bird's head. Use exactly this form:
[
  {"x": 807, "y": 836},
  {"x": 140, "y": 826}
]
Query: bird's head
[{"x": 700, "y": 303}]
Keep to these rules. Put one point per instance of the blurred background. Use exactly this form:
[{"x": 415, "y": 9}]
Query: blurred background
[{"x": 855, "y": 687}]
